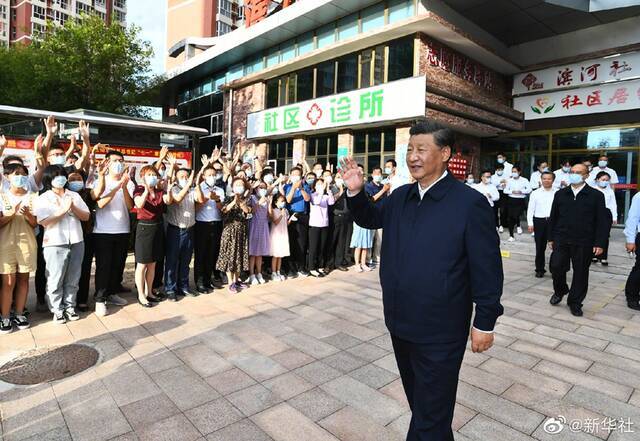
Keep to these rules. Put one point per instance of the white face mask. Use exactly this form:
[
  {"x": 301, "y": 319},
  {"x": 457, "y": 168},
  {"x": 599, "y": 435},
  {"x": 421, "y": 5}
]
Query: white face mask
[
  {"x": 268, "y": 179},
  {"x": 238, "y": 189},
  {"x": 469, "y": 180},
  {"x": 182, "y": 183},
  {"x": 210, "y": 180},
  {"x": 280, "y": 205},
  {"x": 328, "y": 179},
  {"x": 295, "y": 179},
  {"x": 319, "y": 188},
  {"x": 262, "y": 192}
]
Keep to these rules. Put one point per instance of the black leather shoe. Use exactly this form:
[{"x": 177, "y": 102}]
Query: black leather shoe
[
  {"x": 217, "y": 284},
  {"x": 171, "y": 296},
  {"x": 634, "y": 305},
  {"x": 146, "y": 305},
  {"x": 539, "y": 275},
  {"x": 555, "y": 299},
  {"x": 203, "y": 289},
  {"x": 342, "y": 268},
  {"x": 576, "y": 310},
  {"x": 189, "y": 292}
]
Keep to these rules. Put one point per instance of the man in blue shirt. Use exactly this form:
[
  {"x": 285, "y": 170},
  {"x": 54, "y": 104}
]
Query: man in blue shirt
[
  {"x": 298, "y": 194},
  {"x": 631, "y": 228}
]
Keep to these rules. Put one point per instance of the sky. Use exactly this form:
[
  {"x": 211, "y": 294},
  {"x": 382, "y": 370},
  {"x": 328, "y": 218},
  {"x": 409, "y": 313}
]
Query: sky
[{"x": 151, "y": 16}]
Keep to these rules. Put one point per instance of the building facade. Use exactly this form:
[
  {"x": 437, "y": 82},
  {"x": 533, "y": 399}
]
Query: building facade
[
  {"x": 322, "y": 79},
  {"x": 27, "y": 18}
]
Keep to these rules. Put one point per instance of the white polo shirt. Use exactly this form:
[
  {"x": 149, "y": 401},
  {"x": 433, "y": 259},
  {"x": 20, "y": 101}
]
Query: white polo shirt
[
  {"x": 114, "y": 217},
  {"x": 208, "y": 211},
  {"x": 68, "y": 230}
]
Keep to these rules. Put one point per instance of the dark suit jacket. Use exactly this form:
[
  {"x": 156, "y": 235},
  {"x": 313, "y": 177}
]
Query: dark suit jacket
[
  {"x": 581, "y": 220},
  {"x": 440, "y": 255}
]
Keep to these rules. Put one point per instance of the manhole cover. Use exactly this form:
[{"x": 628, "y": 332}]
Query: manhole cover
[{"x": 48, "y": 364}]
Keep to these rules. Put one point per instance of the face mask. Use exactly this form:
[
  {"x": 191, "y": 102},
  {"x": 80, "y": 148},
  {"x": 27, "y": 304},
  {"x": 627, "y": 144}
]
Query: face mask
[
  {"x": 566, "y": 169},
  {"x": 239, "y": 189},
  {"x": 339, "y": 182},
  {"x": 162, "y": 173},
  {"x": 238, "y": 168},
  {"x": 328, "y": 179},
  {"x": 151, "y": 180},
  {"x": 116, "y": 168},
  {"x": 546, "y": 169},
  {"x": 57, "y": 160},
  {"x": 499, "y": 172},
  {"x": 210, "y": 180},
  {"x": 318, "y": 172},
  {"x": 602, "y": 164},
  {"x": 275, "y": 191},
  {"x": 295, "y": 179},
  {"x": 311, "y": 181},
  {"x": 575, "y": 179},
  {"x": 500, "y": 161},
  {"x": 59, "y": 182},
  {"x": 319, "y": 188},
  {"x": 182, "y": 183},
  {"x": 280, "y": 205},
  {"x": 262, "y": 192},
  {"x": 377, "y": 179},
  {"x": 469, "y": 180},
  {"x": 249, "y": 173},
  {"x": 268, "y": 179},
  {"x": 218, "y": 176},
  {"x": 486, "y": 179},
  {"x": 76, "y": 186},
  {"x": 515, "y": 174},
  {"x": 603, "y": 184},
  {"x": 387, "y": 170},
  {"x": 19, "y": 181}
]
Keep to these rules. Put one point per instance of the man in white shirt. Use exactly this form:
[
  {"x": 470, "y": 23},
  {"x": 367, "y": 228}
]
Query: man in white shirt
[
  {"x": 111, "y": 231},
  {"x": 517, "y": 189},
  {"x": 499, "y": 180},
  {"x": 208, "y": 230},
  {"x": 538, "y": 218},
  {"x": 393, "y": 179},
  {"x": 487, "y": 188},
  {"x": 537, "y": 175},
  {"x": 562, "y": 176},
  {"x": 502, "y": 160},
  {"x": 603, "y": 166}
]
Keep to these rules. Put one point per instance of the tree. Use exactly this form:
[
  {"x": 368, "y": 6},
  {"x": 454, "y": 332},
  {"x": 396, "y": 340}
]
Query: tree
[{"x": 84, "y": 64}]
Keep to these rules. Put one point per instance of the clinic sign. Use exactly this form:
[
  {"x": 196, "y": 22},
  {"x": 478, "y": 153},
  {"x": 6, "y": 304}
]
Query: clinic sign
[
  {"x": 583, "y": 74},
  {"x": 402, "y": 99},
  {"x": 610, "y": 97}
]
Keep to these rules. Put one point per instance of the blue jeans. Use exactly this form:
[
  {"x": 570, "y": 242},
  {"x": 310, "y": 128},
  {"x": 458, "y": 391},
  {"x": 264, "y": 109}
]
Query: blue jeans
[
  {"x": 179, "y": 249},
  {"x": 64, "y": 264}
]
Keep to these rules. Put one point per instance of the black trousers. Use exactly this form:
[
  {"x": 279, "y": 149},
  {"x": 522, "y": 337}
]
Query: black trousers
[
  {"x": 500, "y": 210},
  {"x": 632, "y": 288},
  {"x": 605, "y": 252},
  {"x": 317, "y": 244},
  {"x": 515, "y": 208},
  {"x": 339, "y": 239},
  {"x": 541, "y": 230},
  {"x": 429, "y": 375},
  {"x": 85, "y": 272},
  {"x": 299, "y": 242},
  {"x": 207, "y": 236},
  {"x": 579, "y": 256},
  {"x": 41, "y": 278},
  {"x": 111, "y": 253}
]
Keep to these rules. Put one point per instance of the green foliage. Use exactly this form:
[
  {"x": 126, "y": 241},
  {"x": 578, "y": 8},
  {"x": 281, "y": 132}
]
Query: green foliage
[{"x": 83, "y": 64}]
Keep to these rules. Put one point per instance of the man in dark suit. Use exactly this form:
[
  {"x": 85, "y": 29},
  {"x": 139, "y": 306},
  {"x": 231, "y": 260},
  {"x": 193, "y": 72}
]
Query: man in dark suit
[
  {"x": 579, "y": 228},
  {"x": 440, "y": 255}
]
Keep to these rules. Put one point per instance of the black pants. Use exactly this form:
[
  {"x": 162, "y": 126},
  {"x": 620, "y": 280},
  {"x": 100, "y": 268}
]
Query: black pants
[
  {"x": 500, "y": 210},
  {"x": 111, "y": 253},
  {"x": 515, "y": 208},
  {"x": 207, "y": 236},
  {"x": 317, "y": 244},
  {"x": 298, "y": 242},
  {"x": 541, "y": 230},
  {"x": 429, "y": 375},
  {"x": 605, "y": 249},
  {"x": 339, "y": 240},
  {"x": 41, "y": 278},
  {"x": 85, "y": 272},
  {"x": 632, "y": 288},
  {"x": 580, "y": 258}
]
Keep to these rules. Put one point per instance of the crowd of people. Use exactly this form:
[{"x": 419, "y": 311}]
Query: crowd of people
[{"x": 240, "y": 222}]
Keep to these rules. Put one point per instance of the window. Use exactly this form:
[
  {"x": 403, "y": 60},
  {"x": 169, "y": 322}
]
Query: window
[
  {"x": 217, "y": 124},
  {"x": 373, "y": 17},
  {"x": 273, "y": 57},
  {"x": 326, "y": 35},
  {"x": 37, "y": 30},
  {"x": 272, "y": 93},
  {"x": 369, "y": 147},
  {"x": 379, "y": 65},
  {"x": 39, "y": 12},
  {"x": 281, "y": 151},
  {"x": 348, "y": 27},
  {"x": 347, "y": 73},
  {"x": 322, "y": 149},
  {"x": 225, "y": 8},
  {"x": 60, "y": 17},
  {"x": 255, "y": 65},
  {"x": 365, "y": 67},
  {"x": 64, "y": 4},
  {"x": 100, "y": 3},
  {"x": 3, "y": 12},
  {"x": 304, "y": 85},
  {"x": 325, "y": 79},
  {"x": 222, "y": 28},
  {"x": 400, "y": 10},
  {"x": 122, "y": 4},
  {"x": 288, "y": 51},
  {"x": 119, "y": 16},
  {"x": 305, "y": 43},
  {"x": 82, "y": 8},
  {"x": 400, "y": 59}
]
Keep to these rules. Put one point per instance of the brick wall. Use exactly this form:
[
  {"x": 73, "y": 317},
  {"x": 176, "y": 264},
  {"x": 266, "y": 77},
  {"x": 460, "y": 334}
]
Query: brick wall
[{"x": 245, "y": 100}]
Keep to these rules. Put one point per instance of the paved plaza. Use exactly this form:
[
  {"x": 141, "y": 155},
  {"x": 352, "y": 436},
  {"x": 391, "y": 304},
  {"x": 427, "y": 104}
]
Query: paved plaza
[{"x": 311, "y": 360}]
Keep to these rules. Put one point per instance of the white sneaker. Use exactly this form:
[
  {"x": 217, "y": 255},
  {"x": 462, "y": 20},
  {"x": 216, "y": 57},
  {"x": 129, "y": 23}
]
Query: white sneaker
[
  {"x": 501, "y": 230},
  {"x": 260, "y": 279},
  {"x": 101, "y": 309},
  {"x": 59, "y": 318},
  {"x": 519, "y": 230},
  {"x": 253, "y": 280},
  {"x": 512, "y": 239},
  {"x": 282, "y": 277},
  {"x": 114, "y": 299}
]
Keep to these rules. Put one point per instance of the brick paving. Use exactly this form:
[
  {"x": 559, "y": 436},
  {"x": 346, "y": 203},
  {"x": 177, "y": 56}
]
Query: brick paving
[{"x": 311, "y": 360}]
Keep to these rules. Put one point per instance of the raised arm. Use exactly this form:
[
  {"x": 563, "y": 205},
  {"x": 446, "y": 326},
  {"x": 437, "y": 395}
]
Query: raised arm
[
  {"x": 365, "y": 213},
  {"x": 83, "y": 128}
]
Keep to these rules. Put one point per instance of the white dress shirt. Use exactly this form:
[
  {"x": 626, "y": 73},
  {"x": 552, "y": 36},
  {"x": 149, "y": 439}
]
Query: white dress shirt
[
  {"x": 489, "y": 190},
  {"x": 68, "y": 230},
  {"x": 536, "y": 180},
  {"x": 540, "y": 204},
  {"x": 508, "y": 167},
  {"x": 577, "y": 190},
  {"x": 520, "y": 185},
  {"x": 610, "y": 201},
  {"x": 611, "y": 172},
  {"x": 561, "y": 176},
  {"x": 424, "y": 191},
  {"x": 497, "y": 181}
]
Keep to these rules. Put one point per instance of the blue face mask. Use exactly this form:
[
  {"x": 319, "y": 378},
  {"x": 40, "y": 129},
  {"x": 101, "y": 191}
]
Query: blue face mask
[
  {"x": 387, "y": 170},
  {"x": 575, "y": 179},
  {"x": 151, "y": 180},
  {"x": 59, "y": 182},
  {"x": 19, "y": 181},
  {"x": 76, "y": 186},
  {"x": 566, "y": 169},
  {"x": 310, "y": 181},
  {"x": 500, "y": 161},
  {"x": 57, "y": 160},
  {"x": 603, "y": 184}
]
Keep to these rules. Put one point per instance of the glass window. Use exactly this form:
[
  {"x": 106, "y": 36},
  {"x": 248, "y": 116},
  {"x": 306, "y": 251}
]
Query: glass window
[
  {"x": 255, "y": 65},
  {"x": 400, "y": 59},
  {"x": 326, "y": 35},
  {"x": 378, "y": 66},
  {"x": 390, "y": 140},
  {"x": 291, "y": 89},
  {"x": 305, "y": 43},
  {"x": 348, "y": 27},
  {"x": 360, "y": 142},
  {"x": 400, "y": 10},
  {"x": 273, "y": 57},
  {"x": 570, "y": 141},
  {"x": 347, "y": 73},
  {"x": 365, "y": 67},
  {"x": 234, "y": 72},
  {"x": 207, "y": 87},
  {"x": 373, "y": 17},
  {"x": 305, "y": 85},
  {"x": 272, "y": 93},
  {"x": 325, "y": 79},
  {"x": 288, "y": 51}
]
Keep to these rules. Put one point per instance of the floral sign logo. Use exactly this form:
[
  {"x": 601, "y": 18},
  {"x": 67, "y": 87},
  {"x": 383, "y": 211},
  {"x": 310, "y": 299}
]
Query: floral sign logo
[
  {"x": 314, "y": 114},
  {"x": 542, "y": 106}
]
